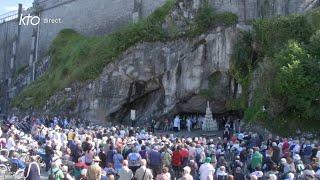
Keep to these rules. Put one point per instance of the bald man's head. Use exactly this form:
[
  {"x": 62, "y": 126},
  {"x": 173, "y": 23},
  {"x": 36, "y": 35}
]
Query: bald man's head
[
  {"x": 143, "y": 162},
  {"x": 125, "y": 163}
]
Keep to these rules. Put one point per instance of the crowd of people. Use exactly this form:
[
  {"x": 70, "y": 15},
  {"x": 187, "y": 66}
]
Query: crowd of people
[{"x": 61, "y": 149}]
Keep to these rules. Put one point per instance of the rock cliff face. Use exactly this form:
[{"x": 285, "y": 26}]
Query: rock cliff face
[
  {"x": 164, "y": 78},
  {"x": 160, "y": 78}
]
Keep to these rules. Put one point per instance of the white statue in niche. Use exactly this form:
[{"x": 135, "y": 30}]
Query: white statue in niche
[{"x": 209, "y": 123}]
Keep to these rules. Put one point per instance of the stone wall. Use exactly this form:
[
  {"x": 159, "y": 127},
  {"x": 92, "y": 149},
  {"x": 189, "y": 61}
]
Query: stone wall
[
  {"x": 252, "y": 9},
  {"x": 8, "y": 36}
]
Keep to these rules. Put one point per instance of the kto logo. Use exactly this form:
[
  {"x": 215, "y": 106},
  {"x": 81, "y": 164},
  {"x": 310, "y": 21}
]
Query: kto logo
[{"x": 26, "y": 20}]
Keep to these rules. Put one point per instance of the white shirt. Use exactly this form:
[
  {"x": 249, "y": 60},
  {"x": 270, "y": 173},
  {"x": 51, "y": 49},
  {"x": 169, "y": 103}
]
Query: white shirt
[
  {"x": 318, "y": 155},
  {"x": 176, "y": 122},
  {"x": 206, "y": 171},
  {"x": 188, "y": 122},
  {"x": 259, "y": 174},
  {"x": 11, "y": 144},
  {"x": 296, "y": 149},
  {"x": 318, "y": 173},
  {"x": 125, "y": 173}
]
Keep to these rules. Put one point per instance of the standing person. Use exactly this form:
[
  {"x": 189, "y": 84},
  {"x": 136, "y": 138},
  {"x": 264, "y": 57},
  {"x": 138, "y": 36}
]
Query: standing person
[
  {"x": 32, "y": 170},
  {"x": 199, "y": 155},
  {"x": 194, "y": 169},
  {"x": 11, "y": 142},
  {"x": 94, "y": 171},
  {"x": 185, "y": 155},
  {"x": 103, "y": 157},
  {"x": 48, "y": 155},
  {"x": 256, "y": 160},
  {"x": 176, "y": 162},
  {"x": 109, "y": 155},
  {"x": 166, "y": 124},
  {"x": 134, "y": 160},
  {"x": 307, "y": 152},
  {"x": 176, "y": 124},
  {"x": 275, "y": 153},
  {"x": 143, "y": 152},
  {"x": 125, "y": 173},
  {"x": 143, "y": 173},
  {"x": 189, "y": 124},
  {"x": 155, "y": 160},
  {"x": 118, "y": 160},
  {"x": 207, "y": 170},
  {"x": 166, "y": 157},
  {"x": 153, "y": 124}
]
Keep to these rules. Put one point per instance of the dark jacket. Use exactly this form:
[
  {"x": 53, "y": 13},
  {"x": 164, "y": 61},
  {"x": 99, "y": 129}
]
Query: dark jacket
[
  {"x": 239, "y": 176},
  {"x": 33, "y": 172}
]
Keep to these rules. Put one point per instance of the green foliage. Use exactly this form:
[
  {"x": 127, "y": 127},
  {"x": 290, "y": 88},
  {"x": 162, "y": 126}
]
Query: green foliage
[
  {"x": 237, "y": 104},
  {"x": 315, "y": 44},
  {"x": 242, "y": 59},
  {"x": 273, "y": 34},
  {"x": 255, "y": 112},
  {"x": 290, "y": 89},
  {"x": 207, "y": 18},
  {"x": 241, "y": 69},
  {"x": 297, "y": 84},
  {"x": 313, "y": 18}
]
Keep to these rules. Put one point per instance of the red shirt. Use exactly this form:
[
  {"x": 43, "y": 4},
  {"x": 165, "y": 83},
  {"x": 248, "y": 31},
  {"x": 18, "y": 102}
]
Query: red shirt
[
  {"x": 184, "y": 153},
  {"x": 285, "y": 145},
  {"x": 176, "y": 158}
]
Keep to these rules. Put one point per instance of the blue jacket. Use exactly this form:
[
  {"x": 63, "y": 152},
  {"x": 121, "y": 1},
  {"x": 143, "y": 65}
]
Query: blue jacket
[
  {"x": 155, "y": 158},
  {"x": 20, "y": 164}
]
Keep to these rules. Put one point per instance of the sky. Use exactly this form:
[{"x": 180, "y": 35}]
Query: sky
[{"x": 10, "y": 5}]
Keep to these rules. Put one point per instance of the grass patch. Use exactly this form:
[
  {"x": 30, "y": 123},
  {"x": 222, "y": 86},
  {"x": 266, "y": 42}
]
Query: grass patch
[
  {"x": 207, "y": 18},
  {"x": 19, "y": 71}
]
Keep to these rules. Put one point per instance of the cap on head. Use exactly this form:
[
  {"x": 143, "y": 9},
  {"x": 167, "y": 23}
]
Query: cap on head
[
  {"x": 96, "y": 159},
  {"x": 187, "y": 169}
]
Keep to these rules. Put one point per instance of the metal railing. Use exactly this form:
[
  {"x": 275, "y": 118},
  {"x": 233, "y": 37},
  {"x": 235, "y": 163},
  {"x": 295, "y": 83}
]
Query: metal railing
[{"x": 8, "y": 16}]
